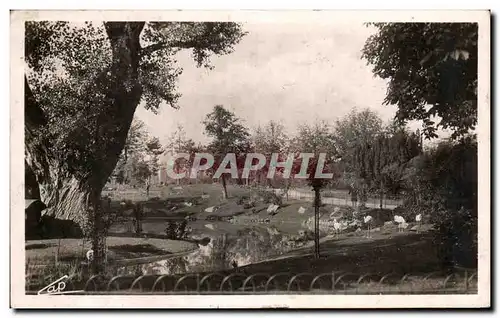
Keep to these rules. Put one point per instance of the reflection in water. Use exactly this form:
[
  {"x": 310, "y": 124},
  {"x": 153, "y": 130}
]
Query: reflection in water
[{"x": 249, "y": 245}]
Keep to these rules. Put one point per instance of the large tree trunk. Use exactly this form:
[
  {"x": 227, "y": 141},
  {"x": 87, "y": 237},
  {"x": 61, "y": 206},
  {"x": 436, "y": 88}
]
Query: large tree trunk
[
  {"x": 65, "y": 194},
  {"x": 73, "y": 196}
]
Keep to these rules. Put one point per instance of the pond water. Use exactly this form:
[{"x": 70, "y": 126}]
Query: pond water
[
  {"x": 247, "y": 246},
  {"x": 239, "y": 242}
]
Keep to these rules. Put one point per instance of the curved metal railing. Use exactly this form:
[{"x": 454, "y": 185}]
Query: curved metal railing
[{"x": 460, "y": 282}]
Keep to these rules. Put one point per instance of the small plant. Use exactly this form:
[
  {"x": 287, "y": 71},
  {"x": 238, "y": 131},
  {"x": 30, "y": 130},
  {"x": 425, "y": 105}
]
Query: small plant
[
  {"x": 242, "y": 199},
  {"x": 176, "y": 230},
  {"x": 249, "y": 205}
]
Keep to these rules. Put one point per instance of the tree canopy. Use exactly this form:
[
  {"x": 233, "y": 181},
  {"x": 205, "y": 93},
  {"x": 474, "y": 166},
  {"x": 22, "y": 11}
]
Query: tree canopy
[
  {"x": 227, "y": 132},
  {"x": 381, "y": 163},
  {"x": 228, "y": 135},
  {"x": 139, "y": 159},
  {"x": 317, "y": 139},
  {"x": 87, "y": 80},
  {"x": 270, "y": 138},
  {"x": 359, "y": 126},
  {"x": 431, "y": 70}
]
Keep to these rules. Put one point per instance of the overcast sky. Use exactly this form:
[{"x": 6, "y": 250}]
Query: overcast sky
[{"x": 287, "y": 72}]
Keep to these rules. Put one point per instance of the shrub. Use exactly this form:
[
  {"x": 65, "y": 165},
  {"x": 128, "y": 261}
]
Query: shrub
[
  {"x": 443, "y": 184},
  {"x": 456, "y": 238},
  {"x": 348, "y": 212},
  {"x": 241, "y": 199},
  {"x": 249, "y": 205},
  {"x": 176, "y": 230},
  {"x": 51, "y": 227}
]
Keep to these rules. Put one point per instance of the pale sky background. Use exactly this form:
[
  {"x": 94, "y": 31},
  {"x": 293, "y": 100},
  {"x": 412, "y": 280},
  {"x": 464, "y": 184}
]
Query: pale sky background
[{"x": 293, "y": 73}]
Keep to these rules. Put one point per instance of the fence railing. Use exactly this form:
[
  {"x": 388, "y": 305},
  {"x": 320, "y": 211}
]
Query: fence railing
[
  {"x": 133, "y": 195},
  {"x": 339, "y": 199},
  {"x": 344, "y": 200},
  {"x": 463, "y": 282}
]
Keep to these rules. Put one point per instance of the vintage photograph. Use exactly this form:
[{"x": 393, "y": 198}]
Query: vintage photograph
[{"x": 314, "y": 154}]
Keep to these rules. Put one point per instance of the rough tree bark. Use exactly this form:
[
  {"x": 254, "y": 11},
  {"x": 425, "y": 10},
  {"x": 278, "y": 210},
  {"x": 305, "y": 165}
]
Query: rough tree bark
[
  {"x": 34, "y": 118},
  {"x": 67, "y": 196}
]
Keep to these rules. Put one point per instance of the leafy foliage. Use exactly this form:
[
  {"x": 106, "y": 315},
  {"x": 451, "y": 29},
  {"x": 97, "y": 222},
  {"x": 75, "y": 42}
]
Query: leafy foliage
[
  {"x": 316, "y": 139},
  {"x": 445, "y": 178},
  {"x": 228, "y": 136},
  {"x": 268, "y": 139},
  {"x": 165, "y": 39},
  {"x": 179, "y": 143},
  {"x": 432, "y": 72},
  {"x": 176, "y": 230},
  {"x": 443, "y": 184},
  {"x": 381, "y": 163},
  {"x": 70, "y": 75},
  {"x": 139, "y": 158},
  {"x": 61, "y": 74},
  {"x": 357, "y": 127}
]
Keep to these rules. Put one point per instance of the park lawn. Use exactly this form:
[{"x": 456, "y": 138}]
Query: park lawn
[
  {"x": 69, "y": 250},
  {"x": 156, "y": 227},
  {"x": 214, "y": 190},
  {"x": 358, "y": 264},
  {"x": 173, "y": 192},
  {"x": 171, "y": 203},
  {"x": 398, "y": 253},
  {"x": 159, "y": 212},
  {"x": 287, "y": 219}
]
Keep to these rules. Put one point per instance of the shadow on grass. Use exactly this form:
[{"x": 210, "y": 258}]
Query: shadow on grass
[
  {"x": 402, "y": 264},
  {"x": 142, "y": 248},
  {"x": 377, "y": 257},
  {"x": 204, "y": 241},
  {"x": 39, "y": 246}
]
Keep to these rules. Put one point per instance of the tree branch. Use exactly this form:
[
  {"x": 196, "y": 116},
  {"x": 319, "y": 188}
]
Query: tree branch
[
  {"x": 116, "y": 29},
  {"x": 163, "y": 45}
]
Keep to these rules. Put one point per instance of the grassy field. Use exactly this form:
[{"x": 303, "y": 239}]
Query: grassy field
[
  {"x": 69, "y": 250},
  {"x": 406, "y": 262},
  {"x": 215, "y": 190},
  {"x": 172, "y": 202},
  {"x": 169, "y": 203},
  {"x": 387, "y": 263}
]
